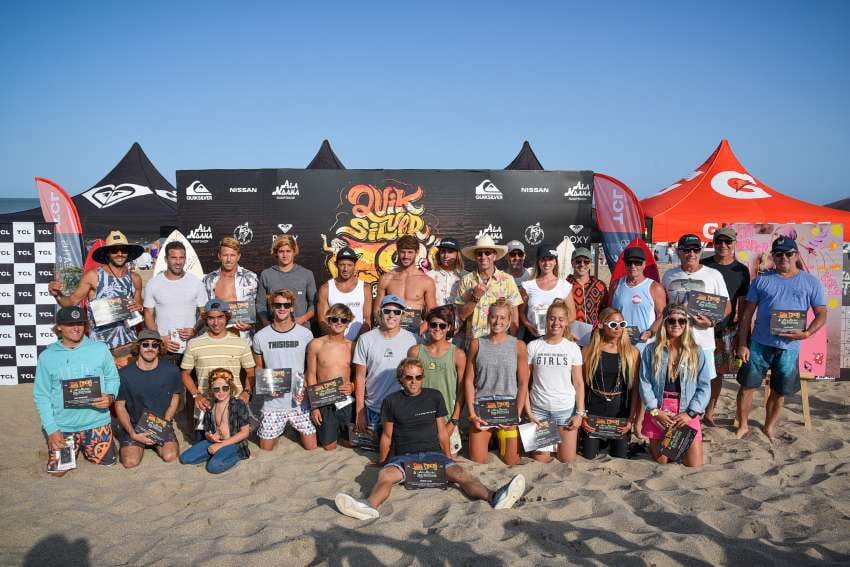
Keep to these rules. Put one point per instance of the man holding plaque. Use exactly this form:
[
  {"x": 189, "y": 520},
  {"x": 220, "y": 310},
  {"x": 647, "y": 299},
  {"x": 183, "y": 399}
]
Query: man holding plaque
[
  {"x": 376, "y": 358},
  {"x": 148, "y": 386},
  {"x": 236, "y": 285},
  {"x": 785, "y": 293},
  {"x": 281, "y": 347},
  {"x": 415, "y": 430},
  {"x": 737, "y": 278},
  {"x": 75, "y": 383},
  {"x": 114, "y": 294},
  {"x": 410, "y": 283}
]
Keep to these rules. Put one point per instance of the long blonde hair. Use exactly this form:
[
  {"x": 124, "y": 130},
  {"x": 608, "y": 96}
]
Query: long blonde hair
[
  {"x": 628, "y": 354},
  {"x": 688, "y": 358}
]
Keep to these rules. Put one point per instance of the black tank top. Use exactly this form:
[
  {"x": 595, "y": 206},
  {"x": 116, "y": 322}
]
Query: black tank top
[{"x": 609, "y": 379}]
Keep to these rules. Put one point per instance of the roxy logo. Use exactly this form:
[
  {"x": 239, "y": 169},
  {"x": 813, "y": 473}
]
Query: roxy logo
[
  {"x": 578, "y": 191},
  {"x": 197, "y": 192},
  {"x": 534, "y": 190},
  {"x": 487, "y": 190},
  {"x": 166, "y": 194},
  {"x": 201, "y": 234},
  {"x": 494, "y": 232},
  {"x": 576, "y": 228},
  {"x": 284, "y": 228},
  {"x": 243, "y": 189},
  {"x": 288, "y": 190},
  {"x": 108, "y": 195}
]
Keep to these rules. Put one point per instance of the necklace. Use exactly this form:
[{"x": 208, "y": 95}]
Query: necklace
[
  {"x": 609, "y": 396},
  {"x": 220, "y": 419}
]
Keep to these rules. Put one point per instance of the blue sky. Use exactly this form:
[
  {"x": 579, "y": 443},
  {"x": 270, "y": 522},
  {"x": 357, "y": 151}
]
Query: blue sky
[{"x": 642, "y": 91}]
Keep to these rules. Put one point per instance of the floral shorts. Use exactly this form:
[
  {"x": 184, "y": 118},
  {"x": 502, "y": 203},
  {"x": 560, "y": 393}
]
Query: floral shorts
[{"x": 274, "y": 423}]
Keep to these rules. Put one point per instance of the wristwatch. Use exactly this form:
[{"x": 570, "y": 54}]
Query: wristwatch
[
  {"x": 691, "y": 413},
  {"x": 654, "y": 412},
  {"x": 582, "y": 413}
]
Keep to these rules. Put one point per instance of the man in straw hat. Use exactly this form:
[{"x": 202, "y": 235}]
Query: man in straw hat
[
  {"x": 110, "y": 281},
  {"x": 481, "y": 288}
]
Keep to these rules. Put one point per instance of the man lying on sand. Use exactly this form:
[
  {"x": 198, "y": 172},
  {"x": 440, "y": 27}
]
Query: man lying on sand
[{"x": 415, "y": 425}]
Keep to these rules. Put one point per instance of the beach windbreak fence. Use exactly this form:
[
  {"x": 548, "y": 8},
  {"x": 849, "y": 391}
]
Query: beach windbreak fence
[{"x": 369, "y": 209}]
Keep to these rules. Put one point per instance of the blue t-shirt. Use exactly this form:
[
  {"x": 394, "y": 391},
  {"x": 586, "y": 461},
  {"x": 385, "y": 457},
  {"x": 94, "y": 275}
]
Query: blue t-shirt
[
  {"x": 771, "y": 291},
  {"x": 148, "y": 389}
]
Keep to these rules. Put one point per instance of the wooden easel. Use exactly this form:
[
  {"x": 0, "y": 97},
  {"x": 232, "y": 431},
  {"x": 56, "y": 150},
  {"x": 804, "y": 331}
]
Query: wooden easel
[{"x": 804, "y": 395}]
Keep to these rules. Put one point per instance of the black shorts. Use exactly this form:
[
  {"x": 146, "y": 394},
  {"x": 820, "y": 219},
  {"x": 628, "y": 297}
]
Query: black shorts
[
  {"x": 125, "y": 441},
  {"x": 334, "y": 422}
]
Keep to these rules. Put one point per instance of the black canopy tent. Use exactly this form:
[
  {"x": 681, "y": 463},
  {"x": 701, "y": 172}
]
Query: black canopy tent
[
  {"x": 325, "y": 158},
  {"x": 842, "y": 204},
  {"x": 526, "y": 159},
  {"x": 134, "y": 198}
]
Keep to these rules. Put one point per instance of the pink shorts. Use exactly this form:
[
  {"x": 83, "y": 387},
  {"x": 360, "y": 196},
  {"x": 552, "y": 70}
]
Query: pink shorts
[{"x": 652, "y": 430}]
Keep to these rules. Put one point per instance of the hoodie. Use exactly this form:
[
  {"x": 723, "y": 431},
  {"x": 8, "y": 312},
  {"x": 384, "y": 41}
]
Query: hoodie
[{"x": 59, "y": 363}]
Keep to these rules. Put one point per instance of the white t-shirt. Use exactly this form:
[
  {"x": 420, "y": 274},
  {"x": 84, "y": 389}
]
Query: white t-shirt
[
  {"x": 283, "y": 350},
  {"x": 381, "y": 356},
  {"x": 539, "y": 301},
  {"x": 678, "y": 283},
  {"x": 354, "y": 300},
  {"x": 175, "y": 301},
  {"x": 552, "y": 374}
]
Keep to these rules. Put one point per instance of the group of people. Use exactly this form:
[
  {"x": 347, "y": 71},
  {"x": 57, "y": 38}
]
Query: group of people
[{"x": 430, "y": 351}]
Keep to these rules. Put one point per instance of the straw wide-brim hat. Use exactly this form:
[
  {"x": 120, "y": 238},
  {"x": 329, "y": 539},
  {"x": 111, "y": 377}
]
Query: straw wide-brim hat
[
  {"x": 114, "y": 239},
  {"x": 485, "y": 243}
]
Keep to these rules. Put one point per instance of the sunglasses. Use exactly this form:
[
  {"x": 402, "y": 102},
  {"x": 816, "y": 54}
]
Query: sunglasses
[
  {"x": 581, "y": 261},
  {"x": 676, "y": 321},
  {"x": 436, "y": 325},
  {"x": 690, "y": 250},
  {"x": 336, "y": 320},
  {"x": 149, "y": 344},
  {"x": 633, "y": 262},
  {"x": 282, "y": 305},
  {"x": 788, "y": 254},
  {"x": 516, "y": 253},
  {"x": 387, "y": 311},
  {"x": 417, "y": 377},
  {"x": 484, "y": 252},
  {"x": 616, "y": 324},
  {"x": 217, "y": 389},
  {"x": 119, "y": 250}
]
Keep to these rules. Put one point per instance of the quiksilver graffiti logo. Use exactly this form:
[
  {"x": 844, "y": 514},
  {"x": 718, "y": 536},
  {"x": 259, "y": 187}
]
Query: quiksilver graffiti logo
[
  {"x": 243, "y": 234},
  {"x": 197, "y": 192},
  {"x": 109, "y": 195},
  {"x": 487, "y": 190},
  {"x": 578, "y": 191},
  {"x": 371, "y": 219},
  {"x": 737, "y": 186}
]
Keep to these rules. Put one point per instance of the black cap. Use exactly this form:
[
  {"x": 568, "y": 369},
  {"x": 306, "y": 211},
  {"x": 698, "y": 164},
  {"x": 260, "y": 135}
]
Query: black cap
[
  {"x": 783, "y": 244},
  {"x": 347, "y": 254},
  {"x": 450, "y": 243},
  {"x": 634, "y": 253},
  {"x": 70, "y": 315},
  {"x": 689, "y": 242},
  {"x": 547, "y": 250}
]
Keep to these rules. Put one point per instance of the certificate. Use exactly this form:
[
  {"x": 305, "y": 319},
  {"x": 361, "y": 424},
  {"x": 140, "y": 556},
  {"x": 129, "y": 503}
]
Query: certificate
[
  {"x": 274, "y": 382},
  {"x": 157, "y": 429},
  {"x": 605, "y": 427},
  {"x": 498, "y": 412},
  {"x": 425, "y": 474},
  {"x": 707, "y": 304},
  {"x": 326, "y": 393},
  {"x": 785, "y": 320},
  {"x": 80, "y": 392},
  {"x": 109, "y": 310}
]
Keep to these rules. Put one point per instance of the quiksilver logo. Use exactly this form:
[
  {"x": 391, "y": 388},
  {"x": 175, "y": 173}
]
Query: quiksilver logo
[
  {"x": 487, "y": 190},
  {"x": 197, "y": 192},
  {"x": 578, "y": 191}
]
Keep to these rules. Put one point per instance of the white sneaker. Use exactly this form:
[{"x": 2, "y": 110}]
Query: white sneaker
[
  {"x": 507, "y": 496},
  {"x": 354, "y": 508}
]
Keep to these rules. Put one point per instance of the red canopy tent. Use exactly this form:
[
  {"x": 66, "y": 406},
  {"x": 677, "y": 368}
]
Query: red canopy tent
[{"x": 722, "y": 192}]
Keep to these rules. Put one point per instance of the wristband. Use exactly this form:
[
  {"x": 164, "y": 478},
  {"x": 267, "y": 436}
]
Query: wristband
[
  {"x": 582, "y": 413},
  {"x": 653, "y": 412},
  {"x": 453, "y": 421},
  {"x": 691, "y": 413}
]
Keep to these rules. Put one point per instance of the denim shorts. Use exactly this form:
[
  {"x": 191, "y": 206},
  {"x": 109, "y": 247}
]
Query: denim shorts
[
  {"x": 784, "y": 366},
  {"x": 558, "y": 417},
  {"x": 400, "y": 460},
  {"x": 373, "y": 422}
]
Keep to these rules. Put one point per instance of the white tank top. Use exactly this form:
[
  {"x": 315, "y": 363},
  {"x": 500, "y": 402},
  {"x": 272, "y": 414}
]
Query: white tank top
[{"x": 354, "y": 300}]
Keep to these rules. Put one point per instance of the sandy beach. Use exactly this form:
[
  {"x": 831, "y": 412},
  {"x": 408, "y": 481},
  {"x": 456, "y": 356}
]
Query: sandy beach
[{"x": 752, "y": 504}]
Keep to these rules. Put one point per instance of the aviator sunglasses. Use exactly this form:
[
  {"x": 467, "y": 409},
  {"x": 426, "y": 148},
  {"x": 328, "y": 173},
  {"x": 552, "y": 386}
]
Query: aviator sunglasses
[
  {"x": 218, "y": 389},
  {"x": 676, "y": 321}
]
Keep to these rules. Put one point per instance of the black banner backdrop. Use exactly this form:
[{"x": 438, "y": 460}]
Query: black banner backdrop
[{"x": 369, "y": 209}]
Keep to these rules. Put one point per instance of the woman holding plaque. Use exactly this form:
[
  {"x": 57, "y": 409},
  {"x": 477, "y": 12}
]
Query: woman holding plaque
[
  {"x": 675, "y": 385},
  {"x": 557, "y": 392},
  {"x": 226, "y": 428},
  {"x": 611, "y": 367},
  {"x": 541, "y": 290},
  {"x": 496, "y": 378}
]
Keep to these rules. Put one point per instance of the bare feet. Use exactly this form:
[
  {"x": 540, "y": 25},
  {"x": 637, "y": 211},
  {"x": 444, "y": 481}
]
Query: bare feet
[
  {"x": 742, "y": 431},
  {"x": 709, "y": 420},
  {"x": 771, "y": 434}
]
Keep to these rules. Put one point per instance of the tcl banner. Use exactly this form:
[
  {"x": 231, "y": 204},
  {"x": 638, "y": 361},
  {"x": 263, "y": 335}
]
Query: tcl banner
[{"x": 369, "y": 209}]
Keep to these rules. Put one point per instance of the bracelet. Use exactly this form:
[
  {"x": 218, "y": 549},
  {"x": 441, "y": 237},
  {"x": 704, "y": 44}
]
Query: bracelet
[{"x": 582, "y": 413}]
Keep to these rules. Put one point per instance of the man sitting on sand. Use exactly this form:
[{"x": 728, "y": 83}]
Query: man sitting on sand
[
  {"x": 329, "y": 357},
  {"x": 415, "y": 427}
]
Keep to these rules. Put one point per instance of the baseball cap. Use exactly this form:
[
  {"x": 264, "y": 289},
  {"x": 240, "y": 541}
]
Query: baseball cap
[
  {"x": 216, "y": 304},
  {"x": 634, "y": 253},
  {"x": 148, "y": 335},
  {"x": 582, "y": 253},
  {"x": 783, "y": 244},
  {"x": 547, "y": 250},
  {"x": 689, "y": 242},
  {"x": 516, "y": 245},
  {"x": 392, "y": 300},
  {"x": 726, "y": 232},
  {"x": 449, "y": 243},
  {"x": 346, "y": 254},
  {"x": 70, "y": 315}
]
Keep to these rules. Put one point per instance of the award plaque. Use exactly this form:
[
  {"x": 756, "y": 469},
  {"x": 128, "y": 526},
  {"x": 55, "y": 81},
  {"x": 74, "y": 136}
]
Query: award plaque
[
  {"x": 365, "y": 440},
  {"x": 539, "y": 437},
  {"x": 605, "y": 427},
  {"x": 785, "y": 320},
  {"x": 157, "y": 429},
  {"x": 425, "y": 474},
  {"x": 109, "y": 310},
  {"x": 325, "y": 393},
  {"x": 498, "y": 412},
  {"x": 66, "y": 458},
  {"x": 241, "y": 312},
  {"x": 411, "y": 319},
  {"x": 707, "y": 304},
  {"x": 676, "y": 442},
  {"x": 80, "y": 392},
  {"x": 274, "y": 382}
]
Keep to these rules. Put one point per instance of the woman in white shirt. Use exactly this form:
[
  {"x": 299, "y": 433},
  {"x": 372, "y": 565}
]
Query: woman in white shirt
[{"x": 541, "y": 290}]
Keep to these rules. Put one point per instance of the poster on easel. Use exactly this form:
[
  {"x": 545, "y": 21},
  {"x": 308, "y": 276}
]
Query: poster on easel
[{"x": 820, "y": 253}]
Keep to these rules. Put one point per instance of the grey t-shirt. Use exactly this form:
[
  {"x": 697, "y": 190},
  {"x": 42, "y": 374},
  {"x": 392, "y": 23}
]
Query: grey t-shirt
[
  {"x": 175, "y": 302},
  {"x": 282, "y": 350},
  {"x": 299, "y": 280},
  {"x": 381, "y": 356}
]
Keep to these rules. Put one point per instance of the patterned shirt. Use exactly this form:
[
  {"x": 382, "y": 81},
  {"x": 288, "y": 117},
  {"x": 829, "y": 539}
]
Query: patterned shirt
[
  {"x": 447, "y": 284},
  {"x": 589, "y": 298},
  {"x": 501, "y": 285}
]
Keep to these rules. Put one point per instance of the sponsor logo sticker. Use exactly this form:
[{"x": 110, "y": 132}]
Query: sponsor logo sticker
[
  {"x": 578, "y": 192},
  {"x": 201, "y": 234},
  {"x": 197, "y": 192},
  {"x": 487, "y": 190},
  {"x": 534, "y": 190},
  {"x": 495, "y": 232},
  {"x": 243, "y": 189},
  {"x": 287, "y": 191}
]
